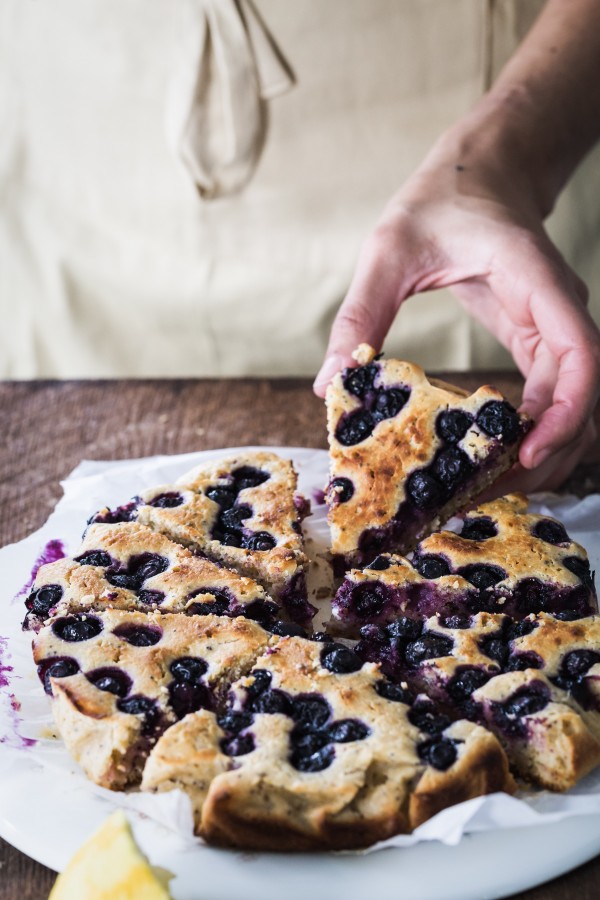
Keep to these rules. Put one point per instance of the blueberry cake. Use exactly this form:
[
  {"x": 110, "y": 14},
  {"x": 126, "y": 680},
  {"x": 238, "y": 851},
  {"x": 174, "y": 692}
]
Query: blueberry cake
[
  {"x": 128, "y": 566},
  {"x": 314, "y": 750},
  {"x": 532, "y": 682},
  {"x": 244, "y": 512},
  {"x": 119, "y": 679},
  {"x": 406, "y": 453},
  {"x": 502, "y": 560}
]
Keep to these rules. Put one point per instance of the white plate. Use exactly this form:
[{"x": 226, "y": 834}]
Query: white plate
[{"x": 47, "y": 808}]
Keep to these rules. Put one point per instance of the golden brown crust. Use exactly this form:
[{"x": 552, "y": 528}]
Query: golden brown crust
[{"x": 380, "y": 465}]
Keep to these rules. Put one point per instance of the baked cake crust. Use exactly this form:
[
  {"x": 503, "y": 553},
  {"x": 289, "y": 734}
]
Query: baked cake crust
[
  {"x": 128, "y": 566},
  {"x": 397, "y": 468},
  {"x": 502, "y": 560},
  {"x": 368, "y": 779},
  {"x": 119, "y": 679}
]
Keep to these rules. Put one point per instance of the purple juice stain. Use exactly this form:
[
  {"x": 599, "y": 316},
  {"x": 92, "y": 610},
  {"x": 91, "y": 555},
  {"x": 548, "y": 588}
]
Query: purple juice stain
[
  {"x": 319, "y": 497},
  {"x": 13, "y": 705},
  {"x": 54, "y": 550}
]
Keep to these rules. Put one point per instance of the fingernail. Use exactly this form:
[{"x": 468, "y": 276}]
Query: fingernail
[{"x": 330, "y": 367}]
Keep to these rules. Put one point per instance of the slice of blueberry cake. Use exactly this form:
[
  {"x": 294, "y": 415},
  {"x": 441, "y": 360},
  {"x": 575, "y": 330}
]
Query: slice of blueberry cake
[
  {"x": 314, "y": 750},
  {"x": 407, "y": 452},
  {"x": 502, "y": 560},
  {"x": 119, "y": 679},
  {"x": 128, "y": 566},
  {"x": 244, "y": 512},
  {"x": 532, "y": 682}
]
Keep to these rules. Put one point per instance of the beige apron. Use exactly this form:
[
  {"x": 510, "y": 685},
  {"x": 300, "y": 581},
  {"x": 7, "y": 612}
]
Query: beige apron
[{"x": 184, "y": 186}]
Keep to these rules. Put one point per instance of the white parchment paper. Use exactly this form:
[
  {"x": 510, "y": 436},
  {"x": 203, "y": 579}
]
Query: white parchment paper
[{"x": 27, "y": 736}]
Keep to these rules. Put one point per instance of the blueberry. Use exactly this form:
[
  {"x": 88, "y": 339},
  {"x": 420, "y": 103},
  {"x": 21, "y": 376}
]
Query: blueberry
[
  {"x": 260, "y": 541},
  {"x": 431, "y": 566},
  {"x": 393, "y": 692},
  {"x": 151, "y": 598},
  {"x": 271, "y": 701},
  {"x": 227, "y": 537},
  {"x": 518, "y": 662},
  {"x": 43, "y": 599},
  {"x": 137, "y": 705},
  {"x": 482, "y": 576},
  {"x": 231, "y": 519},
  {"x": 238, "y": 746},
  {"x": 499, "y": 419},
  {"x": 79, "y": 627},
  {"x": 520, "y": 629},
  {"x": 95, "y": 558},
  {"x": 339, "y": 659},
  {"x": 217, "y": 607},
  {"x": 262, "y": 680},
  {"x": 360, "y": 380},
  {"x": 168, "y": 500},
  {"x": 185, "y": 697},
  {"x": 495, "y": 647},
  {"x": 550, "y": 531},
  {"x": 111, "y": 679},
  {"x": 310, "y": 711},
  {"x": 340, "y": 490},
  {"x": 188, "y": 668},
  {"x": 440, "y": 754},
  {"x": 314, "y": 762},
  {"x": 380, "y": 563},
  {"x": 354, "y": 427},
  {"x": 287, "y": 629},
  {"x": 346, "y": 730},
  {"x": 261, "y": 611},
  {"x": 56, "y": 667},
  {"x": 424, "y": 490},
  {"x": 405, "y": 628},
  {"x": 369, "y": 599},
  {"x": 429, "y": 646},
  {"x": 249, "y": 477},
  {"x": 452, "y": 425},
  {"x": 576, "y": 663},
  {"x": 125, "y": 513},
  {"x": 455, "y": 621},
  {"x": 425, "y": 717},
  {"x": 581, "y": 568},
  {"x": 220, "y": 598},
  {"x": 322, "y": 637},
  {"x": 568, "y": 615},
  {"x": 234, "y": 722},
  {"x": 526, "y": 702},
  {"x": 388, "y": 404},
  {"x": 224, "y": 496},
  {"x": 479, "y": 529},
  {"x": 138, "y": 635},
  {"x": 306, "y": 743},
  {"x": 465, "y": 681},
  {"x": 451, "y": 468},
  {"x": 147, "y": 565}
]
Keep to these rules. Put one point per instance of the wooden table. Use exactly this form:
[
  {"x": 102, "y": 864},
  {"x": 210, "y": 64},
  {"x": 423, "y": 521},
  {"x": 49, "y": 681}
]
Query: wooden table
[{"x": 48, "y": 427}]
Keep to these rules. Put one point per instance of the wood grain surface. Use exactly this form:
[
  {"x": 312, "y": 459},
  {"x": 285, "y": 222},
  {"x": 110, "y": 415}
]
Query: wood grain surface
[{"x": 47, "y": 428}]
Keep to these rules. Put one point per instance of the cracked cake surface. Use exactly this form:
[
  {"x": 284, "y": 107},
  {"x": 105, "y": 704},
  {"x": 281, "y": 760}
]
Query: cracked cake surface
[
  {"x": 119, "y": 679},
  {"x": 243, "y": 511},
  {"x": 503, "y": 559},
  {"x": 407, "y": 452},
  {"x": 128, "y": 566},
  {"x": 532, "y": 682},
  {"x": 317, "y": 751}
]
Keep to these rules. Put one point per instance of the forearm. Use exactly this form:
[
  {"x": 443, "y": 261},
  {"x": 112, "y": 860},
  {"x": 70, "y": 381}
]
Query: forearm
[{"x": 543, "y": 113}]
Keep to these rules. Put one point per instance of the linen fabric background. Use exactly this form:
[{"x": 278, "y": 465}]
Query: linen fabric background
[{"x": 173, "y": 204}]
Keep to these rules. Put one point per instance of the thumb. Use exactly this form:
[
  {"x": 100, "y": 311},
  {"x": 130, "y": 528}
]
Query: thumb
[{"x": 369, "y": 308}]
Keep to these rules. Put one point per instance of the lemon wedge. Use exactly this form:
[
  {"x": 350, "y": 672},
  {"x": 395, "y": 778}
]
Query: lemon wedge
[{"x": 110, "y": 866}]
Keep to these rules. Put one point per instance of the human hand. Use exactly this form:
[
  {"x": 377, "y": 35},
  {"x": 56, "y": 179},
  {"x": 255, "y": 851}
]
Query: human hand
[{"x": 478, "y": 228}]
